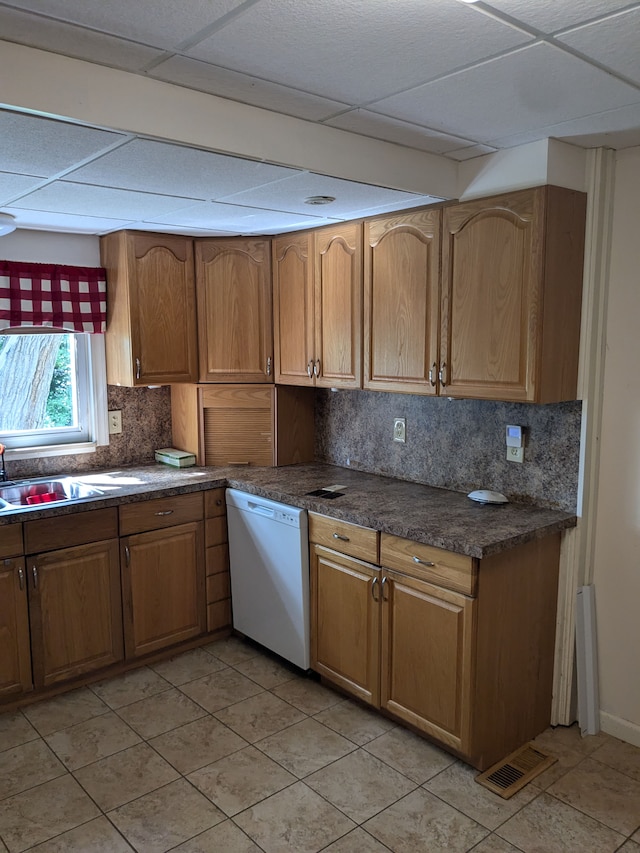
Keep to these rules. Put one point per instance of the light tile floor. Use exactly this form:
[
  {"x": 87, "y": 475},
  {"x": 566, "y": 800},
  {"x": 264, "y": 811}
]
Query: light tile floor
[{"x": 226, "y": 750}]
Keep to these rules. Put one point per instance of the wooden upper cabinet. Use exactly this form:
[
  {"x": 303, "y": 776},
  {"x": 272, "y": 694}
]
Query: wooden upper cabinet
[
  {"x": 401, "y": 293},
  {"x": 233, "y": 284},
  {"x": 293, "y": 306},
  {"x": 317, "y": 295},
  {"x": 151, "y": 308},
  {"x": 511, "y": 296},
  {"x": 338, "y": 306}
]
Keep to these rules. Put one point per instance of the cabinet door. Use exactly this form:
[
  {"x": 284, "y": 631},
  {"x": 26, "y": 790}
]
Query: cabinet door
[
  {"x": 426, "y": 657},
  {"x": 491, "y": 300},
  {"x": 401, "y": 302},
  {"x": 15, "y": 648},
  {"x": 76, "y": 611},
  {"x": 233, "y": 282},
  {"x": 345, "y": 622},
  {"x": 293, "y": 310},
  {"x": 151, "y": 329},
  {"x": 338, "y": 306},
  {"x": 163, "y": 585}
]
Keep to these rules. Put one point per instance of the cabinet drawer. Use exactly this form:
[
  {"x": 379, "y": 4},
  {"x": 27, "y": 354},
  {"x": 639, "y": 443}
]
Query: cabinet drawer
[
  {"x": 11, "y": 540},
  {"x": 214, "y": 503},
  {"x": 444, "y": 568},
  {"x": 217, "y": 559},
  {"x": 351, "y": 539},
  {"x": 64, "y": 531},
  {"x": 215, "y": 531},
  {"x": 218, "y": 587},
  {"x": 162, "y": 512}
]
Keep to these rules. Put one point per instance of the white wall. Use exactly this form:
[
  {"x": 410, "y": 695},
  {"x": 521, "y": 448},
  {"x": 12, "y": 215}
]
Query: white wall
[
  {"x": 617, "y": 547},
  {"x": 44, "y": 247}
]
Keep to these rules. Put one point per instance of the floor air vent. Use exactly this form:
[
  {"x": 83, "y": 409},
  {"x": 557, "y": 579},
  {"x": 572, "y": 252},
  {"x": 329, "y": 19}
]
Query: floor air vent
[{"x": 515, "y": 771}]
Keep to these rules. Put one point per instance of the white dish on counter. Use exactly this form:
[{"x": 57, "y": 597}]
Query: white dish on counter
[{"x": 487, "y": 496}]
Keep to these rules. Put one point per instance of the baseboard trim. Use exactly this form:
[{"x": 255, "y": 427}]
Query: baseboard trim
[{"x": 622, "y": 729}]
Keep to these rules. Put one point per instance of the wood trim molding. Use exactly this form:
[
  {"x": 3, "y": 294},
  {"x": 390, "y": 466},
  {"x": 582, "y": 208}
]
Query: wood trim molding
[{"x": 576, "y": 558}]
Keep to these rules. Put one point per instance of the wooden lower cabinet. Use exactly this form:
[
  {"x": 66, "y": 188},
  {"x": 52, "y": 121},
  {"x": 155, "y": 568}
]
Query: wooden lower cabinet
[
  {"x": 163, "y": 587},
  {"x": 473, "y": 671},
  {"x": 75, "y": 611},
  {"x": 15, "y": 644},
  {"x": 422, "y": 622},
  {"x": 345, "y": 622}
]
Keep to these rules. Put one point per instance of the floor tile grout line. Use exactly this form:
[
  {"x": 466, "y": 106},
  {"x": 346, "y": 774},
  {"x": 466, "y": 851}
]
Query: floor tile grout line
[
  {"x": 611, "y": 767},
  {"x": 581, "y": 811}
]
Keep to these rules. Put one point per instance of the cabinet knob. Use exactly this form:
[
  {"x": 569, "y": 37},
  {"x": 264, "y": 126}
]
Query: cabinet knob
[
  {"x": 423, "y": 562},
  {"x": 341, "y": 538}
]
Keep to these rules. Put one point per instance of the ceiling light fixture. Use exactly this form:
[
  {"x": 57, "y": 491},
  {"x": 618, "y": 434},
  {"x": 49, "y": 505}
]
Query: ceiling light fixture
[
  {"x": 319, "y": 199},
  {"x": 7, "y": 224}
]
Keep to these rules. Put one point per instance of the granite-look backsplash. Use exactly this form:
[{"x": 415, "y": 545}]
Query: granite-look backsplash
[
  {"x": 454, "y": 444},
  {"x": 146, "y": 426}
]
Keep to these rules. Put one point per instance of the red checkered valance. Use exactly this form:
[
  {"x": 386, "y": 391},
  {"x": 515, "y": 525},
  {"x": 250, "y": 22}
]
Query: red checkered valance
[{"x": 52, "y": 296}]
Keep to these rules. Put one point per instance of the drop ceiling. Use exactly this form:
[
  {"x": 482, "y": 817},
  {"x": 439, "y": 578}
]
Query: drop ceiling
[{"x": 451, "y": 78}]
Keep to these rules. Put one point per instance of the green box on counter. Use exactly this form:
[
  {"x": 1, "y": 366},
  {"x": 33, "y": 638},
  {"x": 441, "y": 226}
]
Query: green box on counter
[{"x": 177, "y": 458}]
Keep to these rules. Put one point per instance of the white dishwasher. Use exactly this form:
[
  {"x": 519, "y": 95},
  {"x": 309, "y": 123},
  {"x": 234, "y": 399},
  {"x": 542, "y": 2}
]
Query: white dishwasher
[{"x": 269, "y": 562}]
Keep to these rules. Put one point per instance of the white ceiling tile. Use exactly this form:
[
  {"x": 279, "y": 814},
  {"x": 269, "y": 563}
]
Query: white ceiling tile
[
  {"x": 195, "y": 74},
  {"x": 552, "y": 15},
  {"x": 85, "y": 200},
  {"x": 377, "y": 126},
  {"x": 528, "y": 89},
  {"x": 38, "y": 146},
  {"x": 231, "y": 217},
  {"x": 613, "y": 42},
  {"x": 162, "y": 23},
  {"x": 13, "y": 185},
  {"x": 340, "y": 50},
  {"x": 159, "y": 167},
  {"x": 69, "y": 40},
  {"x": 290, "y": 194},
  {"x": 186, "y": 230},
  {"x": 620, "y": 126}
]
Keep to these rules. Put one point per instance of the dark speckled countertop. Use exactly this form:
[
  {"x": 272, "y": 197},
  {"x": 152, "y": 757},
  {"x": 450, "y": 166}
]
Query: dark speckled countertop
[{"x": 438, "y": 517}]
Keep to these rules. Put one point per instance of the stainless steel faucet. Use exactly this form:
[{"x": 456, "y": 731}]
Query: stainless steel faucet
[{"x": 3, "y": 469}]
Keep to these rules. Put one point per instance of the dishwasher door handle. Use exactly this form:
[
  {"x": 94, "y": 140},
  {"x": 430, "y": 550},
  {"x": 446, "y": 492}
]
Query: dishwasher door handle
[{"x": 260, "y": 509}]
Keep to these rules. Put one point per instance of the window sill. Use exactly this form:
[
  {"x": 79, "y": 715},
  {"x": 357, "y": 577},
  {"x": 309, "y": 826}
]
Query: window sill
[{"x": 50, "y": 450}]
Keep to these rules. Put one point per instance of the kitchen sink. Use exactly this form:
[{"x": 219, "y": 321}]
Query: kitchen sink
[{"x": 44, "y": 492}]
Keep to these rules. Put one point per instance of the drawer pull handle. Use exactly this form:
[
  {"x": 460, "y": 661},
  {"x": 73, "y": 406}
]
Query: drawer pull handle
[
  {"x": 316, "y": 368},
  {"x": 441, "y": 374},
  {"x": 341, "y": 538},
  {"x": 373, "y": 588},
  {"x": 165, "y": 512},
  {"x": 127, "y": 556},
  {"x": 138, "y": 366},
  {"x": 269, "y": 366},
  {"x": 432, "y": 374},
  {"x": 21, "y": 578},
  {"x": 385, "y": 581},
  {"x": 423, "y": 562},
  {"x": 34, "y": 575},
  {"x": 310, "y": 368}
]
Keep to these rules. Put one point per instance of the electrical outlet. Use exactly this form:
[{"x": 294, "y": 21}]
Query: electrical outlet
[
  {"x": 115, "y": 422},
  {"x": 515, "y": 454},
  {"x": 400, "y": 430}
]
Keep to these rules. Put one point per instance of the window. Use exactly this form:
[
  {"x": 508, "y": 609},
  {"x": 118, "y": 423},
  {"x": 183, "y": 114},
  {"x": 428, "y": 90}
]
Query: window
[{"x": 52, "y": 393}]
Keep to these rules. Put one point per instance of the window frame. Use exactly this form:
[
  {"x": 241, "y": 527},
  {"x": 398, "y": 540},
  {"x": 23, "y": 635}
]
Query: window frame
[{"x": 92, "y": 391}]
